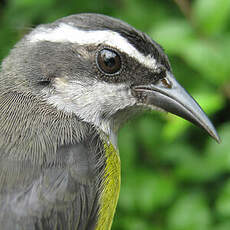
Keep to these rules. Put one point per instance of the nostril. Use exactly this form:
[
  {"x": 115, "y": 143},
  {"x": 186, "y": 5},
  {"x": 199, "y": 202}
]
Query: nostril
[
  {"x": 166, "y": 83},
  {"x": 44, "y": 82}
]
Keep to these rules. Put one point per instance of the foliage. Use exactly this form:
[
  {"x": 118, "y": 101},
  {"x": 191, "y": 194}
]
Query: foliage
[{"x": 174, "y": 177}]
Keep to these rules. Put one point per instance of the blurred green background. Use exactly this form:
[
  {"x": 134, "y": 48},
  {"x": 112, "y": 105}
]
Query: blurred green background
[{"x": 174, "y": 177}]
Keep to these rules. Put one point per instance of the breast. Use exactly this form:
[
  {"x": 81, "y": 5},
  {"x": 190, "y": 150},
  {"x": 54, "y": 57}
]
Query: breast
[{"x": 64, "y": 192}]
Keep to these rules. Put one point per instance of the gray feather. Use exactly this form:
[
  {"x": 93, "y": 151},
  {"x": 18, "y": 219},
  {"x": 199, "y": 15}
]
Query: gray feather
[{"x": 48, "y": 172}]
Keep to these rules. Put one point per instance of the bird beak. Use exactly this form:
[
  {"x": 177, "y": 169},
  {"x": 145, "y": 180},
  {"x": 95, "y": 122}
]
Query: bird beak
[{"x": 170, "y": 96}]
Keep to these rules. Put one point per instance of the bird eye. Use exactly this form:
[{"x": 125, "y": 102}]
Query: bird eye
[{"x": 108, "y": 61}]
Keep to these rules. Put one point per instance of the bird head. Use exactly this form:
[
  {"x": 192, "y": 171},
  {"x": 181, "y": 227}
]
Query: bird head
[{"x": 100, "y": 69}]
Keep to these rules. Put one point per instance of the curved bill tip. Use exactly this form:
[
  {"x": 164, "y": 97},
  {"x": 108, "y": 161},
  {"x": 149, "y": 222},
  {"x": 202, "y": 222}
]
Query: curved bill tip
[
  {"x": 173, "y": 98},
  {"x": 207, "y": 125},
  {"x": 213, "y": 133}
]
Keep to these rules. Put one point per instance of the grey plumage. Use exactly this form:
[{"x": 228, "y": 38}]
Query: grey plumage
[
  {"x": 46, "y": 171},
  {"x": 46, "y": 165}
]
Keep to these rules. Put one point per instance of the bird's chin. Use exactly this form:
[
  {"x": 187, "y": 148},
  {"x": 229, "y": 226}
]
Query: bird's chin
[{"x": 168, "y": 95}]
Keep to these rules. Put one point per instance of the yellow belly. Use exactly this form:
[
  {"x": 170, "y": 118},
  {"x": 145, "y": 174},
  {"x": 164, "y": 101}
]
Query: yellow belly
[{"x": 111, "y": 188}]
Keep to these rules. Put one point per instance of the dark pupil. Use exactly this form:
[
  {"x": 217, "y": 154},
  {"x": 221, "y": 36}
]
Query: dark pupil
[
  {"x": 109, "y": 58},
  {"x": 109, "y": 61}
]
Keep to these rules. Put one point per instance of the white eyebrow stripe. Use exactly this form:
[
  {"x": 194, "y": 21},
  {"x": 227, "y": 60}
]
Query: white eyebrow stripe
[{"x": 68, "y": 33}]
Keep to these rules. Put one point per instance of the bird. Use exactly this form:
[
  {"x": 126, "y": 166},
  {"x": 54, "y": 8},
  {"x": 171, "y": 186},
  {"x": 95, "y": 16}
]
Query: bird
[{"x": 66, "y": 89}]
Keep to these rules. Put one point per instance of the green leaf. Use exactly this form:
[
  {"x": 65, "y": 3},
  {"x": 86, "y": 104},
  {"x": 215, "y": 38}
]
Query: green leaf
[
  {"x": 218, "y": 155},
  {"x": 149, "y": 131},
  {"x": 173, "y": 35},
  {"x": 223, "y": 201},
  {"x": 209, "y": 58},
  {"x": 222, "y": 226},
  {"x": 127, "y": 146},
  {"x": 145, "y": 191},
  {"x": 190, "y": 212},
  {"x": 155, "y": 191},
  {"x": 211, "y": 16},
  {"x": 174, "y": 127},
  {"x": 210, "y": 101},
  {"x": 134, "y": 222}
]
